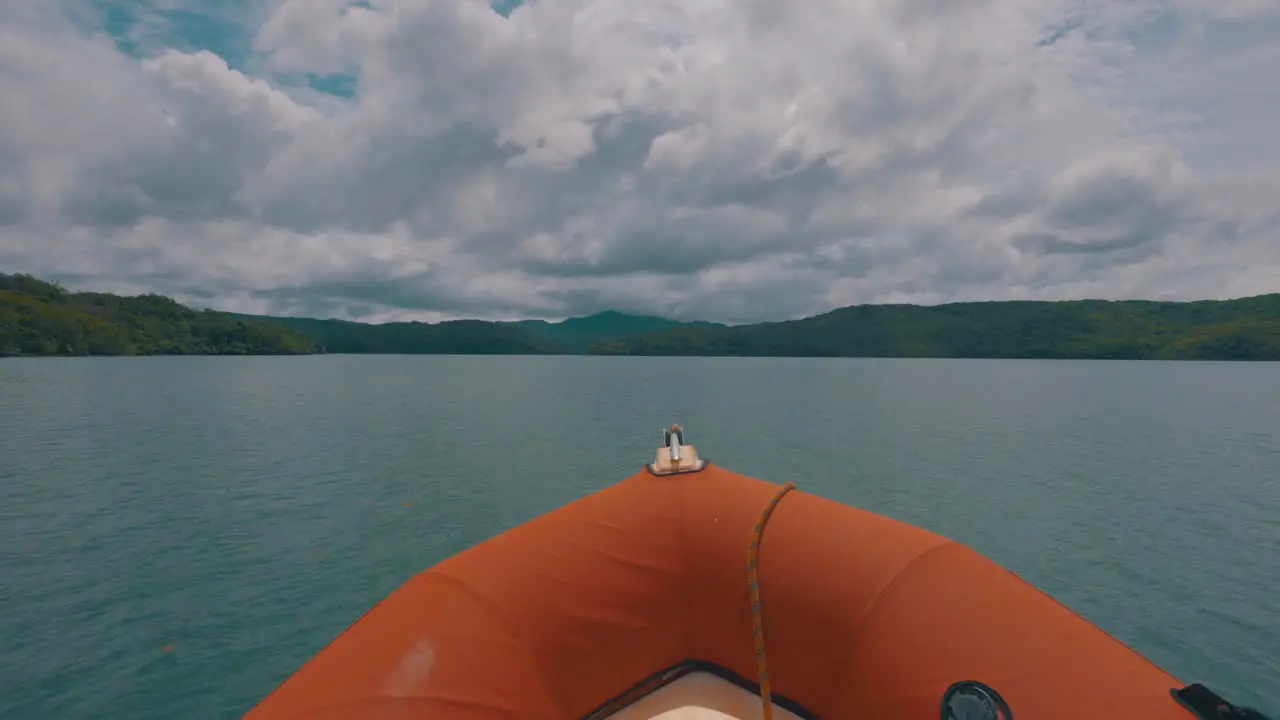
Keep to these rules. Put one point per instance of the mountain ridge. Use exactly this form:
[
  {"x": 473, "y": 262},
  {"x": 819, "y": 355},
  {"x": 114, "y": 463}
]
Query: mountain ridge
[{"x": 39, "y": 318}]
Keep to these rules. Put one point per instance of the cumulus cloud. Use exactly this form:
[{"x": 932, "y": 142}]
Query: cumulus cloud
[{"x": 736, "y": 160}]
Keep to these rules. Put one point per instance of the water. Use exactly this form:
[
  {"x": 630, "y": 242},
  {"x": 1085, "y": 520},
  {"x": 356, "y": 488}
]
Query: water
[{"x": 178, "y": 534}]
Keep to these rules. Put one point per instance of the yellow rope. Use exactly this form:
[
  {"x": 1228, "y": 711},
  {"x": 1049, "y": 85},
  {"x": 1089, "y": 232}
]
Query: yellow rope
[{"x": 753, "y": 582}]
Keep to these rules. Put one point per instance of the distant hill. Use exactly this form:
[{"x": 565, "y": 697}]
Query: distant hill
[
  {"x": 1244, "y": 329},
  {"x": 37, "y": 318},
  {"x": 577, "y": 334},
  {"x": 475, "y": 337},
  {"x": 459, "y": 337},
  {"x": 40, "y": 318}
]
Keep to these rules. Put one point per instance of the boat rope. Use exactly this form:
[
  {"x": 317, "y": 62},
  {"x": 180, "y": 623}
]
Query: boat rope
[{"x": 753, "y": 583}]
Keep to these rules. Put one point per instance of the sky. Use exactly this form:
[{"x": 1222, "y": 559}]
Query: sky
[{"x": 728, "y": 160}]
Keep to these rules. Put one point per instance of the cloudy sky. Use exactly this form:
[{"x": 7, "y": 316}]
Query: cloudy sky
[{"x": 734, "y": 160}]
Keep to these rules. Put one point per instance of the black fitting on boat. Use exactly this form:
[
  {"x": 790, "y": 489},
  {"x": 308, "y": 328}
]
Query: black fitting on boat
[
  {"x": 1208, "y": 705},
  {"x": 972, "y": 699}
]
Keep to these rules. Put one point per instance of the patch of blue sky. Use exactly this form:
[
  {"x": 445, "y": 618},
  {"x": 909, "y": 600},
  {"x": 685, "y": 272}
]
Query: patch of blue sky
[
  {"x": 343, "y": 86},
  {"x": 1159, "y": 31},
  {"x": 504, "y": 7},
  {"x": 144, "y": 27},
  {"x": 225, "y": 28}
]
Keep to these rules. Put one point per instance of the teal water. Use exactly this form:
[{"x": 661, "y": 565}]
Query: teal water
[{"x": 178, "y": 534}]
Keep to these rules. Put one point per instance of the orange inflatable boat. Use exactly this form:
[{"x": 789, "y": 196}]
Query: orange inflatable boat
[{"x": 689, "y": 591}]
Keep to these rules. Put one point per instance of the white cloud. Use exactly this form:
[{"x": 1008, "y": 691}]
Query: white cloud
[{"x": 726, "y": 159}]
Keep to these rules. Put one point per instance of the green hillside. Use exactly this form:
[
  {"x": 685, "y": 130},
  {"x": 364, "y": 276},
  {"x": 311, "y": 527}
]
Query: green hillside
[
  {"x": 475, "y": 337},
  {"x": 577, "y": 334},
  {"x": 463, "y": 337},
  {"x": 1245, "y": 329},
  {"x": 39, "y": 318}
]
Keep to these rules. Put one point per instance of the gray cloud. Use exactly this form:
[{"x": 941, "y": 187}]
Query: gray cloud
[{"x": 703, "y": 158}]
